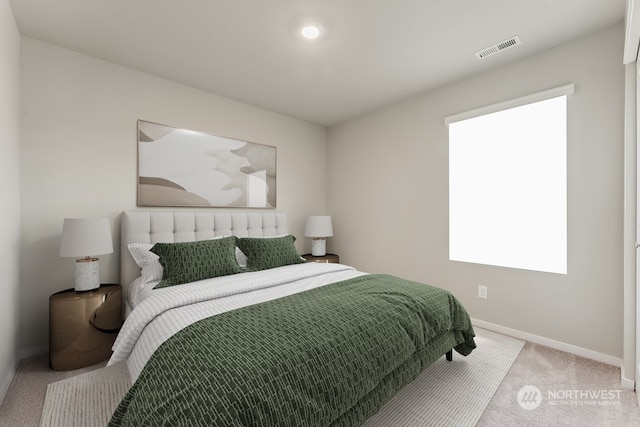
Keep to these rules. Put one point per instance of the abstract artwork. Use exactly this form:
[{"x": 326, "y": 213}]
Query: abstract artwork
[{"x": 178, "y": 167}]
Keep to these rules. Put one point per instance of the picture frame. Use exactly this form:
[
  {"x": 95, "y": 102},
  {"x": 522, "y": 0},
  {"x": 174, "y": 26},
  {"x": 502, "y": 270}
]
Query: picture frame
[{"x": 186, "y": 168}]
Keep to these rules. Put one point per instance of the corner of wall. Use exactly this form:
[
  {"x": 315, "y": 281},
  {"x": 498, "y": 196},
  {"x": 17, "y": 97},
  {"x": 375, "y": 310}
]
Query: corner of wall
[{"x": 10, "y": 81}]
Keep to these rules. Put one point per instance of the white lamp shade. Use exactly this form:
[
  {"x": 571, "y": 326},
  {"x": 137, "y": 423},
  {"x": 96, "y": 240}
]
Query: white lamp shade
[
  {"x": 82, "y": 237},
  {"x": 318, "y": 226}
]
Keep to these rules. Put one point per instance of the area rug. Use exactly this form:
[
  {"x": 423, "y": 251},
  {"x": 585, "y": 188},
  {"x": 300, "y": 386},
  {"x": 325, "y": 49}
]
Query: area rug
[
  {"x": 453, "y": 393},
  {"x": 85, "y": 400},
  {"x": 447, "y": 394}
]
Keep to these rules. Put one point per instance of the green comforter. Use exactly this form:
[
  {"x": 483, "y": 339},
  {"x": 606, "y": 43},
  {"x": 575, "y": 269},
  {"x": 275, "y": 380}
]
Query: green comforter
[{"x": 325, "y": 357}]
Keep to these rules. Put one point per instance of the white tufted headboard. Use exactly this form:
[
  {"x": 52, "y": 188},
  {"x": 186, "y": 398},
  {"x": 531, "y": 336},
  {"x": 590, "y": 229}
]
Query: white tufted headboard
[{"x": 189, "y": 226}]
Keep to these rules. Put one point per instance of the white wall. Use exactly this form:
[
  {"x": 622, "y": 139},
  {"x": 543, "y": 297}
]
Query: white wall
[
  {"x": 394, "y": 164},
  {"x": 386, "y": 175},
  {"x": 79, "y": 158},
  {"x": 9, "y": 194}
]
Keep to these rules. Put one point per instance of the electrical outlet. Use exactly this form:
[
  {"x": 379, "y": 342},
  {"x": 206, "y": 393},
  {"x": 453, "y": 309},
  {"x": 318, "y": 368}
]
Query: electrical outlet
[{"x": 482, "y": 291}]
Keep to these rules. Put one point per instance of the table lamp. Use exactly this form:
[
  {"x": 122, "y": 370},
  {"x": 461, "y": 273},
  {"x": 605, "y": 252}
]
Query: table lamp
[
  {"x": 85, "y": 238},
  {"x": 318, "y": 227}
]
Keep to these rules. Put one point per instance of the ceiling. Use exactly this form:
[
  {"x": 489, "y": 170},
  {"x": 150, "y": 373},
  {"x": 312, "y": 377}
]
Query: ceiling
[{"x": 373, "y": 52}]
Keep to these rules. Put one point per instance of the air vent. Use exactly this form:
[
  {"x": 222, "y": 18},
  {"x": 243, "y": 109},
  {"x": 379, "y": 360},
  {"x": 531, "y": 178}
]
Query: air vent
[{"x": 498, "y": 47}]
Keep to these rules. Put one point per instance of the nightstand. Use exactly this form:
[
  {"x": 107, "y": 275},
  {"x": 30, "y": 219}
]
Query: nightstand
[
  {"x": 324, "y": 258},
  {"x": 83, "y": 326}
]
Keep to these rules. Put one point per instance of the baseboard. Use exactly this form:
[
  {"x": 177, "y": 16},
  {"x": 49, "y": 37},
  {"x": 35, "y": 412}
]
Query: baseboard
[
  {"x": 637, "y": 373},
  {"x": 558, "y": 345},
  {"x": 6, "y": 381},
  {"x": 626, "y": 382}
]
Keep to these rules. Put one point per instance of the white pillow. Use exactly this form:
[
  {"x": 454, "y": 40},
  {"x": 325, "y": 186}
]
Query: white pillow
[
  {"x": 241, "y": 258},
  {"x": 147, "y": 261}
]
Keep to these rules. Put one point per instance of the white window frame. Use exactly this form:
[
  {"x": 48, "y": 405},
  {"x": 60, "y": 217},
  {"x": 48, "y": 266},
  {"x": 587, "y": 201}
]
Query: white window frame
[{"x": 470, "y": 237}]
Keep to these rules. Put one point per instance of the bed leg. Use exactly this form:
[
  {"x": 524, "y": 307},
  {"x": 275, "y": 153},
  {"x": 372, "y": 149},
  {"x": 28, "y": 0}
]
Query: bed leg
[{"x": 449, "y": 355}]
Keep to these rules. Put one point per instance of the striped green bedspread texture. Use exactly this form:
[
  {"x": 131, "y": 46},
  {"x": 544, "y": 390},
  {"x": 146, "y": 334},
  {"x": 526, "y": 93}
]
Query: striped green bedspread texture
[{"x": 330, "y": 356}]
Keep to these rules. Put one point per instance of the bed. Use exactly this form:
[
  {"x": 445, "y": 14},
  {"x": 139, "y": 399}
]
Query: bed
[{"x": 226, "y": 325}]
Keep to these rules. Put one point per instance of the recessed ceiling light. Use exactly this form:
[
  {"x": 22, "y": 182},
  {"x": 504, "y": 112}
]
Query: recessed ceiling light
[{"x": 311, "y": 31}]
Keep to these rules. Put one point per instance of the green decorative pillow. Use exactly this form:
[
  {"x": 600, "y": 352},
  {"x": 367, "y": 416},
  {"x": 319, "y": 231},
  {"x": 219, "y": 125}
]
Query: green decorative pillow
[
  {"x": 190, "y": 261},
  {"x": 264, "y": 253}
]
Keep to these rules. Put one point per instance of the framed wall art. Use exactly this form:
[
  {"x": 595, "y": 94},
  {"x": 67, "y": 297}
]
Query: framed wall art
[{"x": 179, "y": 167}]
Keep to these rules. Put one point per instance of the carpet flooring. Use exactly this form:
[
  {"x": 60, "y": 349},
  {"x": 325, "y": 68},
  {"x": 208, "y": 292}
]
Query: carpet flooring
[
  {"x": 85, "y": 400},
  {"x": 560, "y": 378},
  {"x": 446, "y": 394},
  {"x": 453, "y": 393},
  {"x": 571, "y": 391}
]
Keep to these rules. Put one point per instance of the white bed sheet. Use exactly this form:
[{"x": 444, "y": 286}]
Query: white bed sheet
[
  {"x": 167, "y": 310},
  {"x": 139, "y": 291}
]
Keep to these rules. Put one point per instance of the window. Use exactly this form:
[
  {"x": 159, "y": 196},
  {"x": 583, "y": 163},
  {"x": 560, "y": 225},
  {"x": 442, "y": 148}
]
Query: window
[{"x": 508, "y": 183}]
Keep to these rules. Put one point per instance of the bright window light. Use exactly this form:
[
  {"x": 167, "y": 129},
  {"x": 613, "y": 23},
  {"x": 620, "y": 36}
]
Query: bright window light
[{"x": 508, "y": 187}]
